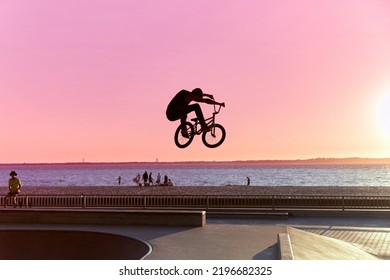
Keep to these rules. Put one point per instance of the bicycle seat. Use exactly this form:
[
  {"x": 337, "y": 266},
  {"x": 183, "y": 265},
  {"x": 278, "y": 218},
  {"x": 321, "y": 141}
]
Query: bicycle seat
[{"x": 194, "y": 119}]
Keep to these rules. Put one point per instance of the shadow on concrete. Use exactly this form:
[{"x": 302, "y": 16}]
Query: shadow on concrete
[
  {"x": 147, "y": 232},
  {"x": 270, "y": 253}
]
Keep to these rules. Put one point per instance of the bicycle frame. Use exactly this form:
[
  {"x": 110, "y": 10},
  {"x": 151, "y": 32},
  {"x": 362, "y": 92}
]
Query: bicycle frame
[
  {"x": 211, "y": 138},
  {"x": 210, "y": 122}
]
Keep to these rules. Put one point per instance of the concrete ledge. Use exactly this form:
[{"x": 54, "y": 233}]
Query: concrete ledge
[
  {"x": 246, "y": 214},
  {"x": 104, "y": 217},
  {"x": 338, "y": 213},
  {"x": 285, "y": 248}
]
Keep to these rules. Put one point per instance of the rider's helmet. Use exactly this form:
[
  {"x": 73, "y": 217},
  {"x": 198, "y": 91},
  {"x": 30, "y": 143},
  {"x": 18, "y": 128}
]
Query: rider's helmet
[{"x": 197, "y": 92}]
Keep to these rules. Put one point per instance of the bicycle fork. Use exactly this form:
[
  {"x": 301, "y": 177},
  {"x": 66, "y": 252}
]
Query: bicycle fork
[{"x": 211, "y": 124}]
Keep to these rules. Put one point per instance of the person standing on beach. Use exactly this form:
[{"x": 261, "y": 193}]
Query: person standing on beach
[
  {"x": 248, "y": 181},
  {"x": 150, "y": 179},
  {"x": 158, "y": 181},
  {"x": 145, "y": 177},
  {"x": 165, "y": 180},
  {"x": 137, "y": 179},
  {"x": 14, "y": 185},
  {"x": 119, "y": 179},
  {"x": 179, "y": 107}
]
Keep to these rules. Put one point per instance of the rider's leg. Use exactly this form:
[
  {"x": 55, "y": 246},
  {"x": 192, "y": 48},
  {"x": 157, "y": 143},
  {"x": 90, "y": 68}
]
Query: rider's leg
[
  {"x": 184, "y": 131},
  {"x": 199, "y": 114},
  {"x": 183, "y": 119}
]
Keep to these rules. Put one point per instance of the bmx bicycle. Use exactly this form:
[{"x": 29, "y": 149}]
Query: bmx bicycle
[{"x": 211, "y": 138}]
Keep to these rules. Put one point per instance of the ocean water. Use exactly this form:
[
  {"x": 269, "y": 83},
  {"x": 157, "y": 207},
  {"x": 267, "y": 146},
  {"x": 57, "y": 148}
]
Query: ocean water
[{"x": 198, "y": 174}]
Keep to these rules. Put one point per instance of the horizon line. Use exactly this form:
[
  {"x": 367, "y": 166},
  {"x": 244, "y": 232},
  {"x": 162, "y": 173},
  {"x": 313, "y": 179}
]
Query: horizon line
[{"x": 308, "y": 160}]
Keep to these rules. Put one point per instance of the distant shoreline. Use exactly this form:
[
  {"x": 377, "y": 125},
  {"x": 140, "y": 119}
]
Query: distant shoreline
[{"x": 313, "y": 161}]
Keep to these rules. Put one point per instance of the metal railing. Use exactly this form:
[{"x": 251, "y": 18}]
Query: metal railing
[{"x": 205, "y": 202}]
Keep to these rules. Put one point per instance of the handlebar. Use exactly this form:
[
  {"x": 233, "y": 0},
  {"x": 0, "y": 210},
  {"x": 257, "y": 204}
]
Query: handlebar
[{"x": 216, "y": 110}]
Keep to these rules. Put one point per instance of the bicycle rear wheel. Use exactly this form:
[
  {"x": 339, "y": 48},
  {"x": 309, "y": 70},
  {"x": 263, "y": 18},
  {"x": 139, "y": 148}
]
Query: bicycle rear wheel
[
  {"x": 214, "y": 137},
  {"x": 182, "y": 141}
]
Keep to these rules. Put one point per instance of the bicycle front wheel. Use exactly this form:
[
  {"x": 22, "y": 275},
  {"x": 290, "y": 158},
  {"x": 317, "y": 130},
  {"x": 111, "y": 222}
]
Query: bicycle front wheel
[
  {"x": 181, "y": 139},
  {"x": 214, "y": 137}
]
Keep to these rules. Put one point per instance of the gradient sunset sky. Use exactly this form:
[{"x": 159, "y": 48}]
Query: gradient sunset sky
[{"x": 91, "y": 80}]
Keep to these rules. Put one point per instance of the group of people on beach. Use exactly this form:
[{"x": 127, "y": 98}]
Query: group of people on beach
[{"x": 147, "y": 180}]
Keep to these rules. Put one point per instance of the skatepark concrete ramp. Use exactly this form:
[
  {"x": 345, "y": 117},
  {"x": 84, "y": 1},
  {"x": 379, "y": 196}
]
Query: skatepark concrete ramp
[{"x": 69, "y": 245}]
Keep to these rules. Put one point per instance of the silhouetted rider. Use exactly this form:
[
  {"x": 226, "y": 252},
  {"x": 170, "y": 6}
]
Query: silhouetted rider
[{"x": 180, "y": 106}]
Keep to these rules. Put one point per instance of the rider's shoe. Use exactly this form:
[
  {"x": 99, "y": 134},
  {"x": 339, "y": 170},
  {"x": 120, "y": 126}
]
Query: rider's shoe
[{"x": 184, "y": 133}]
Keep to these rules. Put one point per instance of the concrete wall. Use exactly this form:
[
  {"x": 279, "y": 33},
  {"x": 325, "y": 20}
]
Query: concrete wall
[{"x": 104, "y": 217}]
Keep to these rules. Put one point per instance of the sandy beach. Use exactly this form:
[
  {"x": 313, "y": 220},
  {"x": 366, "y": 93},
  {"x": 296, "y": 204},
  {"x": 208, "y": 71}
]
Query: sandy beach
[{"x": 207, "y": 190}]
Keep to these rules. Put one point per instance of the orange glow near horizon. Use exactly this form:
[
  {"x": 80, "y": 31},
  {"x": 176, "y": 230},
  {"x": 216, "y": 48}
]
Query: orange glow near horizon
[
  {"x": 301, "y": 79},
  {"x": 383, "y": 115}
]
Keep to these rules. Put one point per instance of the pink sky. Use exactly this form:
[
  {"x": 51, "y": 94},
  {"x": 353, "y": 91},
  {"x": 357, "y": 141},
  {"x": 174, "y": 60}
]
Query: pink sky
[{"x": 91, "y": 79}]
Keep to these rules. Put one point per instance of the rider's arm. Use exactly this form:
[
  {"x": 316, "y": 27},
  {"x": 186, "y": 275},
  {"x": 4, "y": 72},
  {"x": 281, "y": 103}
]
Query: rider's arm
[
  {"x": 206, "y": 100},
  {"x": 208, "y": 95},
  {"x": 211, "y": 101}
]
